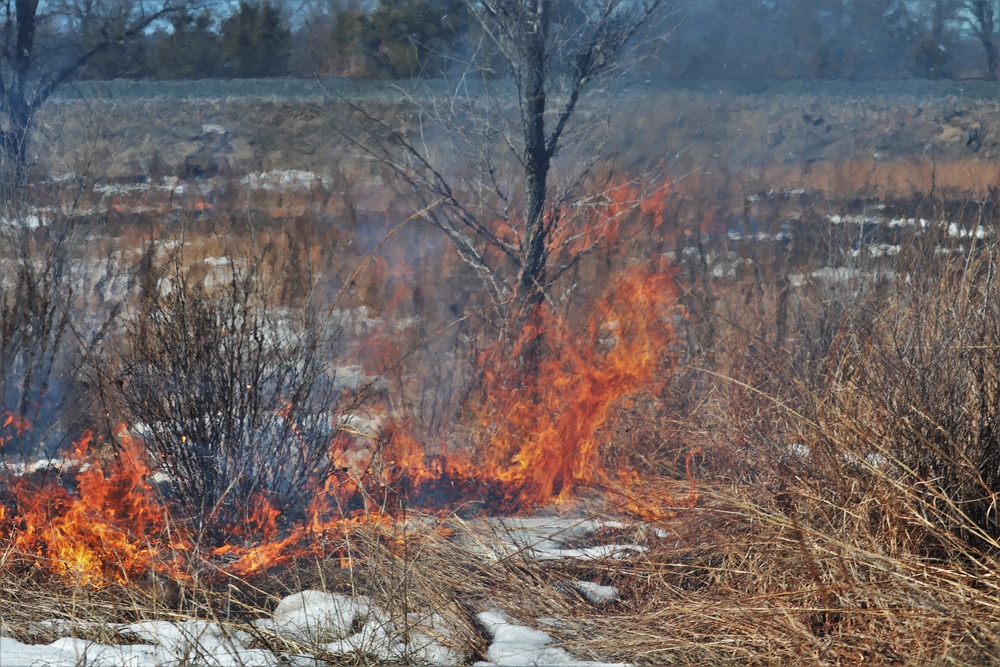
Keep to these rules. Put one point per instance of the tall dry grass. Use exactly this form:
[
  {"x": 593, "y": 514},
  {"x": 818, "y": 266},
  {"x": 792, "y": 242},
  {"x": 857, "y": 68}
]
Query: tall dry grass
[{"x": 836, "y": 408}]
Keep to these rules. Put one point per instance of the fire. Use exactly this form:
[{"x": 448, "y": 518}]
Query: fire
[
  {"x": 602, "y": 218},
  {"x": 545, "y": 440},
  {"x": 16, "y": 422},
  {"x": 111, "y": 528},
  {"x": 102, "y": 520}
]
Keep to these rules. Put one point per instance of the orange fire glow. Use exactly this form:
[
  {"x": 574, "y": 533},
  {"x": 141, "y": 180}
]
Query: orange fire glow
[
  {"x": 102, "y": 519},
  {"x": 546, "y": 440},
  {"x": 111, "y": 528}
]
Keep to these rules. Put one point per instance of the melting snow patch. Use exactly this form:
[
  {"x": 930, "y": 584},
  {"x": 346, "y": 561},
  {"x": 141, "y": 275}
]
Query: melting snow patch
[
  {"x": 878, "y": 250},
  {"x": 199, "y": 642},
  {"x": 326, "y": 622},
  {"x": 544, "y": 538},
  {"x": 957, "y": 232},
  {"x": 345, "y": 625},
  {"x": 289, "y": 179},
  {"x": 191, "y": 642},
  {"x": 521, "y": 646},
  {"x": 596, "y": 593},
  {"x": 31, "y": 221},
  {"x": 315, "y": 615}
]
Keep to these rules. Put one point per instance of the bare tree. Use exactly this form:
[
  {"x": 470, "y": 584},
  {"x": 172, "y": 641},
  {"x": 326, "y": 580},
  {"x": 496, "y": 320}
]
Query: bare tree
[
  {"x": 43, "y": 45},
  {"x": 510, "y": 187},
  {"x": 982, "y": 20}
]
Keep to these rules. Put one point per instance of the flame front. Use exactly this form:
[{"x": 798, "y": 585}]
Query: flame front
[
  {"x": 111, "y": 528},
  {"x": 100, "y": 520}
]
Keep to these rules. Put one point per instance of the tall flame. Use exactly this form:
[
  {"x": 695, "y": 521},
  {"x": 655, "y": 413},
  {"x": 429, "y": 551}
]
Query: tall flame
[
  {"x": 545, "y": 428},
  {"x": 112, "y": 528}
]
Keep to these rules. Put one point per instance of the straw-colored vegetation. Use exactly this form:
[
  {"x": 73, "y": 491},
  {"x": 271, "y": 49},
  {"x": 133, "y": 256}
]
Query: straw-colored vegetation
[{"x": 816, "y": 483}]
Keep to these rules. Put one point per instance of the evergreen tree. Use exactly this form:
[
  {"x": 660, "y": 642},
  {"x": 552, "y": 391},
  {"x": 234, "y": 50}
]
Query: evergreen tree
[
  {"x": 399, "y": 38},
  {"x": 189, "y": 51},
  {"x": 255, "y": 41}
]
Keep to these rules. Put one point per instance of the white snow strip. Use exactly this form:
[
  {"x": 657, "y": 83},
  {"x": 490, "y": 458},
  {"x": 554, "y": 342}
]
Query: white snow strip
[
  {"x": 877, "y": 250},
  {"x": 544, "y": 538},
  {"x": 173, "y": 648},
  {"x": 521, "y": 646},
  {"x": 288, "y": 179},
  {"x": 317, "y": 620},
  {"x": 596, "y": 593}
]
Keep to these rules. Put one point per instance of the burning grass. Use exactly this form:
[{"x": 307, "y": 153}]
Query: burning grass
[
  {"x": 737, "y": 459},
  {"x": 105, "y": 521}
]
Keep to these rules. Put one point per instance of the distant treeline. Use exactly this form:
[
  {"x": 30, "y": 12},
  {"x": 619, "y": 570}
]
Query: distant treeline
[{"x": 729, "y": 39}]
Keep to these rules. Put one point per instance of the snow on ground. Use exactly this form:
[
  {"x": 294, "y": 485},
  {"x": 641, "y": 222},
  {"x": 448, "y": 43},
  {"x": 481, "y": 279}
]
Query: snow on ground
[
  {"x": 322, "y": 624},
  {"x": 288, "y": 179},
  {"x": 315, "y": 623},
  {"x": 596, "y": 593},
  {"x": 545, "y": 538},
  {"x": 521, "y": 646},
  {"x": 25, "y": 222}
]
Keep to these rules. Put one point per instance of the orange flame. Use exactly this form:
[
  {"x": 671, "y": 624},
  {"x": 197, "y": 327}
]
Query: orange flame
[
  {"x": 112, "y": 528},
  {"x": 19, "y": 423},
  {"x": 546, "y": 440},
  {"x": 545, "y": 434}
]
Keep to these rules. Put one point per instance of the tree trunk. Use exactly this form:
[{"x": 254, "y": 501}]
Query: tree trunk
[
  {"x": 985, "y": 29},
  {"x": 534, "y": 251},
  {"x": 992, "y": 59}
]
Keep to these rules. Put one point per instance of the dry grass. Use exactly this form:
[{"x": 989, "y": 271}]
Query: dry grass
[{"x": 843, "y": 437}]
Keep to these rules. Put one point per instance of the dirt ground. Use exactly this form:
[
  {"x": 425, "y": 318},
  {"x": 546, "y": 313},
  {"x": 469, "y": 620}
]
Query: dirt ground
[{"x": 839, "y": 139}]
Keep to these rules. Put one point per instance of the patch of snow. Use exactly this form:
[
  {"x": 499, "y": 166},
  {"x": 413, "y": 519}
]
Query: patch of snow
[
  {"x": 833, "y": 275},
  {"x": 119, "y": 189},
  {"x": 322, "y": 621},
  {"x": 198, "y": 642},
  {"x": 957, "y": 232},
  {"x": 190, "y": 642},
  {"x": 596, "y": 593},
  {"x": 211, "y": 128},
  {"x": 949, "y": 251},
  {"x": 798, "y": 451},
  {"x": 853, "y": 220},
  {"x": 165, "y": 286},
  {"x": 331, "y": 620},
  {"x": 544, "y": 538},
  {"x": 877, "y": 250},
  {"x": 601, "y": 551},
  {"x": 288, "y": 179},
  {"x": 316, "y": 616},
  {"x": 521, "y": 646},
  {"x": 28, "y": 222}
]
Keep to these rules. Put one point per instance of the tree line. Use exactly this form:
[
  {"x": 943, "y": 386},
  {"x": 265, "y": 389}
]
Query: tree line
[
  {"x": 729, "y": 39},
  {"x": 390, "y": 39}
]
